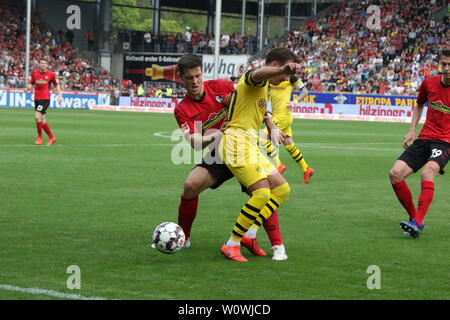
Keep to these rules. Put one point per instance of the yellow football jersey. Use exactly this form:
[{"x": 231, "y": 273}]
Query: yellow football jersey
[
  {"x": 280, "y": 95},
  {"x": 248, "y": 106}
]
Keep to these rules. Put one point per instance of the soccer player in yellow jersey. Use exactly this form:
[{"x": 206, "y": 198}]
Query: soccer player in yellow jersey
[
  {"x": 280, "y": 96},
  {"x": 240, "y": 151}
]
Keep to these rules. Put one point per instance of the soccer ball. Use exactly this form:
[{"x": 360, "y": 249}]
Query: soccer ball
[{"x": 168, "y": 237}]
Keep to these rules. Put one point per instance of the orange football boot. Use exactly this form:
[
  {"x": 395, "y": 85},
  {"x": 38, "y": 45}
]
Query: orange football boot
[
  {"x": 281, "y": 168},
  {"x": 38, "y": 141},
  {"x": 252, "y": 245},
  {"x": 307, "y": 175},
  {"x": 233, "y": 253},
  {"x": 51, "y": 141}
]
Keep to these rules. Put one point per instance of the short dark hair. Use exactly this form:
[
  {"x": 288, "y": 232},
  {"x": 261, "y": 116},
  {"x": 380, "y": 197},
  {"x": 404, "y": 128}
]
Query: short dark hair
[
  {"x": 445, "y": 52},
  {"x": 281, "y": 55},
  {"x": 189, "y": 61}
]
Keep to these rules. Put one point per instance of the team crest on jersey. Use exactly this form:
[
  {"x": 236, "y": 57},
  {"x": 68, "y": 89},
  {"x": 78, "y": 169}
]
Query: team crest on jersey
[
  {"x": 219, "y": 99},
  {"x": 262, "y": 103}
]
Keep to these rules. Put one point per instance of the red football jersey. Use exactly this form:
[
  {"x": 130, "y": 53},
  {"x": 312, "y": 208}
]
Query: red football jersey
[
  {"x": 437, "y": 123},
  {"x": 209, "y": 112},
  {"x": 42, "y": 81}
]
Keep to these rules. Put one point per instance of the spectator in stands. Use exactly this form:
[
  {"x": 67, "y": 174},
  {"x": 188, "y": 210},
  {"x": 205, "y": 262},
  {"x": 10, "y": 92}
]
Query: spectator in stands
[
  {"x": 179, "y": 42},
  {"x": 148, "y": 42},
  {"x": 188, "y": 38},
  {"x": 69, "y": 36},
  {"x": 90, "y": 40},
  {"x": 140, "y": 91}
]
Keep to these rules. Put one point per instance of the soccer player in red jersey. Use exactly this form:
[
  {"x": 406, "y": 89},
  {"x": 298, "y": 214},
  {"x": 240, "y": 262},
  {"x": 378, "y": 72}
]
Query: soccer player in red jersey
[
  {"x": 430, "y": 151},
  {"x": 204, "y": 107},
  {"x": 41, "y": 79}
]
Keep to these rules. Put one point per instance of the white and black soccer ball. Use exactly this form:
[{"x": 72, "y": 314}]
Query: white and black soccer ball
[{"x": 168, "y": 237}]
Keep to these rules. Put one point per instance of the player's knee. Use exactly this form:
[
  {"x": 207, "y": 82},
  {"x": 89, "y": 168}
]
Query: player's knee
[
  {"x": 430, "y": 172},
  {"x": 282, "y": 192},
  {"x": 191, "y": 189},
  {"x": 395, "y": 175},
  {"x": 262, "y": 194}
]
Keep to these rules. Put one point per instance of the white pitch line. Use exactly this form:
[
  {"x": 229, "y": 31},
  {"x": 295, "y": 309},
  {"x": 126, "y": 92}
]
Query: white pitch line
[
  {"x": 50, "y": 293},
  {"x": 162, "y": 134}
]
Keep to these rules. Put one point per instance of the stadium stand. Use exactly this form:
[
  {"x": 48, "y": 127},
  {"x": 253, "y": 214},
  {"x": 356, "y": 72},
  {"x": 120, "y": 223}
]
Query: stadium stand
[
  {"x": 191, "y": 41},
  {"x": 340, "y": 53},
  {"x": 74, "y": 72}
]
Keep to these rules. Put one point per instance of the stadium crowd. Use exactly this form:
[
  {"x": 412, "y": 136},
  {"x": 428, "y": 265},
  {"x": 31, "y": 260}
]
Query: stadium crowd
[
  {"x": 340, "y": 53},
  {"x": 191, "y": 41},
  {"x": 74, "y": 73}
]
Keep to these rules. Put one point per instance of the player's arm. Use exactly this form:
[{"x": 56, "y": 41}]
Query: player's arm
[
  {"x": 199, "y": 142},
  {"x": 411, "y": 135},
  {"x": 58, "y": 89},
  {"x": 417, "y": 114},
  {"x": 193, "y": 134},
  {"x": 276, "y": 135},
  {"x": 31, "y": 83},
  {"x": 303, "y": 93},
  {"x": 267, "y": 72}
]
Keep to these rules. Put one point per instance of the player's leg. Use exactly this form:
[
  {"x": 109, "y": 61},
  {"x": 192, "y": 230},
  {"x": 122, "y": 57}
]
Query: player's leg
[
  {"x": 38, "y": 117},
  {"x": 242, "y": 157},
  {"x": 397, "y": 175},
  {"x": 199, "y": 179},
  {"x": 269, "y": 216},
  {"x": 260, "y": 195},
  {"x": 410, "y": 161},
  {"x": 45, "y": 125},
  {"x": 429, "y": 172},
  {"x": 297, "y": 155},
  {"x": 440, "y": 153}
]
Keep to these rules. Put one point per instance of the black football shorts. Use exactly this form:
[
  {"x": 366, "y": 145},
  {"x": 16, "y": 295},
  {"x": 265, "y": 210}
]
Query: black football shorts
[
  {"x": 41, "y": 106},
  {"x": 217, "y": 169},
  {"x": 423, "y": 150}
]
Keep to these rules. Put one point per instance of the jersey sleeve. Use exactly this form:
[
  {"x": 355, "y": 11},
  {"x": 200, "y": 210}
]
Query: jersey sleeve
[
  {"x": 423, "y": 94},
  {"x": 296, "y": 82},
  {"x": 185, "y": 123},
  {"x": 249, "y": 82}
]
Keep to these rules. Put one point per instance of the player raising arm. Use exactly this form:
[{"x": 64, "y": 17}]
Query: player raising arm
[
  {"x": 240, "y": 151},
  {"x": 42, "y": 79},
  {"x": 430, "y": 151}
]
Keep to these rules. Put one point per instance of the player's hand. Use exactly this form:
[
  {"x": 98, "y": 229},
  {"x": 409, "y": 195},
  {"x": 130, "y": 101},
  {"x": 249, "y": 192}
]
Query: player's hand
[
  {"x": 277, "y": 136},
  {"x": 59, "y": 99},
  {"x": 410, "y": 137},
  {"x": 223, "y": 127},
  {"x": 291, "y": 68},
  {"x": 227, "y": 100},
  {"x": 291, "y": 106}
]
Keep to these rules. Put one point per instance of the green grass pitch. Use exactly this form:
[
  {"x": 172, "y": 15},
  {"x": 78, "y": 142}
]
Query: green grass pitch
[{"x": 93, "y": 199}]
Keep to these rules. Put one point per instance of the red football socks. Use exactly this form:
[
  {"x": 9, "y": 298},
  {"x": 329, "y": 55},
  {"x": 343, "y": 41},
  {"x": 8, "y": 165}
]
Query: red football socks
[
  {"x": 47, "y": 130},
  {"x": 425, "y": 198},
  {"x": 186, "y": 214},
  {"x": 39, "y": 129},
  {"x": 404, "y": 195},
  {"x": 273, "y": 229}
]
